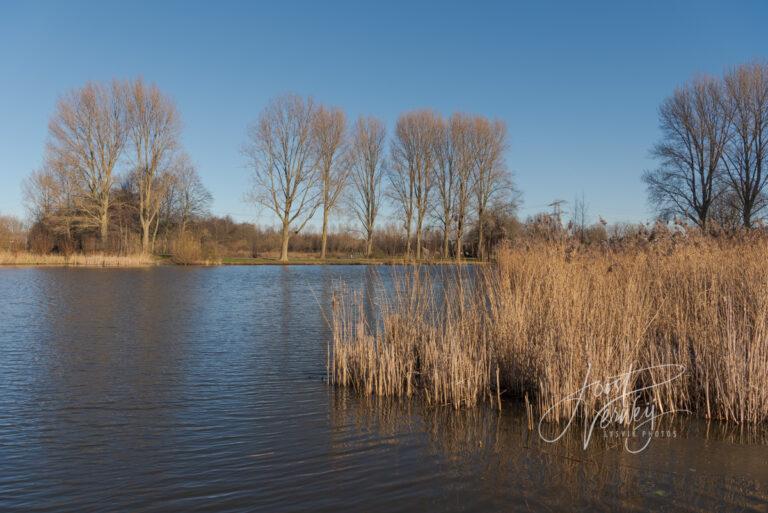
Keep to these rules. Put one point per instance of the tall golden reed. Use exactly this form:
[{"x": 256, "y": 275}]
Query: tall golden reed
[
  {"x": 536, "y": 321},
  {"x": 77, "y": 259}
]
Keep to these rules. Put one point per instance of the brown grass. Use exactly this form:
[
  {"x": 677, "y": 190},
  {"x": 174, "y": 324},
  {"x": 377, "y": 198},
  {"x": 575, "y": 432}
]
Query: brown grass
[
  {"x": 535, "y": 321},
  {"x": 76, "y": 259},
  {"x": 189, "y": 250}
]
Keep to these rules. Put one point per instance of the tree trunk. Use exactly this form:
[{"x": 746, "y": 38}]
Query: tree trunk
[
  {"x": 459, "y": 240},
  {"x": 480, "y": 236},
  {"x": 747, "y": 214},
  {"x": 324, "y": 241},
  {"x": 154, "y": 233},
  {"x": 144, "y": 236},
  {"x": 408, "y": 240},
  {"x": 104, "y": 228},
  {"x": 418, "y": 242},
  {"x": 284, "y": 248},
  {"x": 369, "y": 245},
  {"x": 446, "y": 235}
]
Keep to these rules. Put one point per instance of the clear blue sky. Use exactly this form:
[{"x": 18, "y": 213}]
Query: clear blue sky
[{"x": 578, "y": 83}]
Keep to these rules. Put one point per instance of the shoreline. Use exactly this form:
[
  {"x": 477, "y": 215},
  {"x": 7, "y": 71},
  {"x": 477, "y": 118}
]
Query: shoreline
[
  {"x": 342, "y": 261},
  {"x": 140, "y": 261}
]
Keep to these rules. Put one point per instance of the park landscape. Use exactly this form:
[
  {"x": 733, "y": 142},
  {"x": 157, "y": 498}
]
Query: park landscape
[
  {"x": 390, "y": 324},
  {"x": 117, "y": 190}
]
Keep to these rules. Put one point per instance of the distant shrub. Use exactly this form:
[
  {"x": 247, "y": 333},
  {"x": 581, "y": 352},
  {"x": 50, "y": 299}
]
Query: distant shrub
[
  {"x": 186, "y": 250},
  {"x": 189, "y": 249}
]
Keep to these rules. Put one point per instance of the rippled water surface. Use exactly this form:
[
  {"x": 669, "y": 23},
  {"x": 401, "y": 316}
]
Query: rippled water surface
[{"x": 201, "y": 389}]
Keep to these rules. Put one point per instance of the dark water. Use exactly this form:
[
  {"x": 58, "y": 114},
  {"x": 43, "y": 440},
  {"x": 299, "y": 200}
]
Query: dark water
[{"x": 201, "y": 389}]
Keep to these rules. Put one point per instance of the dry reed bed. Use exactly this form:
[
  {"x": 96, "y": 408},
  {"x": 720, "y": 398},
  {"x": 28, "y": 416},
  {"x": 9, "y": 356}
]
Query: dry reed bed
[
  {"x": 532, "y": 325},
  {"x": 77, "y": 259}
]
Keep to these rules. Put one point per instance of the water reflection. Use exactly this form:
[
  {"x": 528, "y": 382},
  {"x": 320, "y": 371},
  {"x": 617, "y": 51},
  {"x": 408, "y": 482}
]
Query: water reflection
[{"x": 493, "y": 458}]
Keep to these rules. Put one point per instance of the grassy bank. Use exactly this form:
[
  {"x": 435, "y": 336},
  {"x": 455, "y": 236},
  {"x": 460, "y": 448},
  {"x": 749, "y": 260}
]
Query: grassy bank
[
  {"x": 541, "y": 317},
  {"x": 77, "y": 259},
  {"x": 21, "y": 258}
]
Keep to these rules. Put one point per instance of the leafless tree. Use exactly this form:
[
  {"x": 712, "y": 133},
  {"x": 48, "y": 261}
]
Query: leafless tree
[
  {"x": 402, "y": 180},
  {"x": 461, "y": 130},
  {"x": 49, "y": 195},
  {"x": 489, "y": 142},
  {"x": 580, "y": 216},
  {"x": 329, "y": 128},
  {"x": 153, "y": 127},
  {"x": 87, "y": 134},
  {"x": 454, "y": 168},
  {"x": 280, "y": 151},
  {"x": 446, "y": 180},
  {"x": 745, "y": 155},
  {"x": 367, "y": 164},
  {"x": 12, "y": 233},
  {"x": 694, "y": 122},
  {"x": 189, "y": 198},
  {"x": 43, "y": 194},
  {"x": 413, "y": 160}
]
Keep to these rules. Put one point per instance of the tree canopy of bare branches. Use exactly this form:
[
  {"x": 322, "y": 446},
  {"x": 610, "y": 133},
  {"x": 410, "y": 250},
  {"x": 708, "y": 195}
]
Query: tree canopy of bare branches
[
  {"x": 281, "y": 153},
  {"x": 489, "y": 143},
  {"x": 455, "y": 174},
  {"x": 50, "y": 200},
  {"x": 461, "y": 129},
  {"x": 367, "y": 164},
  {"x": 445, "y": 180},
  {"x": 329, "y": 129},
  {"x": 746, "y": 89},
  {"x": 87, "y": 134},
  {"x": 695, "y": 125},
  {"x": 188, "y": 198},
  {"x": 153, "y": 128},
  {"x": 411, "y": 177}
]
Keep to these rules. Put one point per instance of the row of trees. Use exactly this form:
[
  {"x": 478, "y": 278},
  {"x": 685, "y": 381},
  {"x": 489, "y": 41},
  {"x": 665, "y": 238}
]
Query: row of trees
[
  {"x": 114, "y": 163},
  {"x": 114, "y": 169},
  {"x": 713, "y": 152},
  {"x": 305, "y": 158}
]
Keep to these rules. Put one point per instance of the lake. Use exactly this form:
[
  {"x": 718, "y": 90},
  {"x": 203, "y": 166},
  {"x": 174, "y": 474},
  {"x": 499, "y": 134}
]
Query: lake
[{"x": 202, "y": 389}]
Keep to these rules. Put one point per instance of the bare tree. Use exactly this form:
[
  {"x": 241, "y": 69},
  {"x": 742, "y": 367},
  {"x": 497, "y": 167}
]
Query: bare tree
[
  {"x": 86, "y": 138},
  {"x": 12, "y": 233},
  {"x": 367, "y": 164},
  {"x": 489, "y": 140},
  {"x": 189, "y": 198},
  {"x": 694, "y": 122},
  {"x": 328, "y": 133},
  {"x": 446, "y": 181},
  {"x": 461, "y": 130},
  {"x": 580, "y": 216},
  {"x": 280, "y": 150},
  {"x": 402, "y": 181},
  {"x": 745, "y": 155},
  {"x": 43, "y": 194},
  {"x": 413, "y": 160},
  {"x": 153, "y": 127}
]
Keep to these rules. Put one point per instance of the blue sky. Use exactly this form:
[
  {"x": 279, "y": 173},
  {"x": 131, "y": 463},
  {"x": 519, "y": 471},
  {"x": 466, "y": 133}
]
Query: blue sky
[{"x": 578, "y": 83}]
